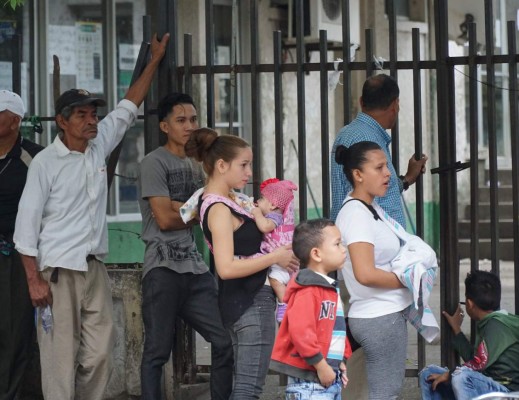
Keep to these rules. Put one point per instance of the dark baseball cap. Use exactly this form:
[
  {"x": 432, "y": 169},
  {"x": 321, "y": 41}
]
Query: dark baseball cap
[{"x": 77, "y": 97}]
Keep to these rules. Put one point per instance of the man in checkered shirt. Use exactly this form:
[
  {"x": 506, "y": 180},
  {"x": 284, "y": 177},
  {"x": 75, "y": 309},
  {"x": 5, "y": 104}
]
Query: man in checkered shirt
[{"x": 380, "y": 105}]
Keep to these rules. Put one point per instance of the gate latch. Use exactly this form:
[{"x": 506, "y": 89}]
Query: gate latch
[{"x": 457, "y": 166}]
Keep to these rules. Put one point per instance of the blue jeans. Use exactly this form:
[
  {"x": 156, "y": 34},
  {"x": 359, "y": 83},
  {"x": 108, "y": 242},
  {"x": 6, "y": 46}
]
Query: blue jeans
[
  {"x": 299, "y": 389},
  {"x": 252, "y": 339},
  {"x": 465, "y": 384}
]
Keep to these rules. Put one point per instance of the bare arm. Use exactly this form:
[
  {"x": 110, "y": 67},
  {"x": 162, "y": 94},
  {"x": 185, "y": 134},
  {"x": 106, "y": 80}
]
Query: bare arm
[
  {"x": 264, "y": 224},
  {"x": 167, "y": 215},
  {"x": 362, "y": 256},
  {"x": 39, "y": 289},
  {"x": 221, "y": 223},
  {"x": 137, "y": 92}
]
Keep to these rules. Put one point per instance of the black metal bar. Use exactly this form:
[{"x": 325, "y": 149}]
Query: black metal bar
[
  {"x": 346, "y": 72},
  {"x": 255, "y": 97},
  {"x": 492, "y": 137},
  {"x": 188, "y": 62},
  {"x": 232, "y": 60},
  {"x": 474, "y": 158},
  {"x": 32, "y": 63},
  {"x": 393, "y": 71},
  {"x": 514, "y": 132},
  {"x": 151, "y": 136},
  {"x": 352, "y": 66},
  {"x": 418, "y": 141},
  {"x": 418, "y": 149},
  {"x": 474, "y": 151},
  {"x": 369, "y": 53},
  {"x": 301, "y": 121},
  {"x": 209, "y": 60},
  {"x": 140, "y": 64},
  {"x": 17, "y": 64},
  {"x": 278, "y": 105},
  {"x": 449, "y": 277},
  {"x": 173, "y": 44},
  {"x": 325, "y": 128},
  {"x": 162, "y": 14}
]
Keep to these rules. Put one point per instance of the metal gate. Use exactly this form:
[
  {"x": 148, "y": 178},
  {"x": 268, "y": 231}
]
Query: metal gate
[
  {"x": 444, "y": 68},
  {"x": 180, "y": 77}
]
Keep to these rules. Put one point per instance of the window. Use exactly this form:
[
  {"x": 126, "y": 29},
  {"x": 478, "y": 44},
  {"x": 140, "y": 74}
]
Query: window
[
  {"x": 76, "y": 33},
  {"x": 414, "y": 10},
  {"x": 223, "y": 84},
  {"x": 13, "y": 30}
]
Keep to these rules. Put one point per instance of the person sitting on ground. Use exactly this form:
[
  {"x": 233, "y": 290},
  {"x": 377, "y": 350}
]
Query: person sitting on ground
[
  {"x": 491, "y": 366},
  {"x": 311, "y": 346},
  {"x": 274, "y": 216}
]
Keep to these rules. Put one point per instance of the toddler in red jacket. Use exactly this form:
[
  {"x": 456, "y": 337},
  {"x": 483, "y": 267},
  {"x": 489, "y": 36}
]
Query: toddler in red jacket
[{"x": 311, "y": 346}]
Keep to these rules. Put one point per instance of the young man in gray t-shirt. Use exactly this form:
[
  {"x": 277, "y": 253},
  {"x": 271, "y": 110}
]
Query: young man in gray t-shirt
[{"x": 176, "y": 281}]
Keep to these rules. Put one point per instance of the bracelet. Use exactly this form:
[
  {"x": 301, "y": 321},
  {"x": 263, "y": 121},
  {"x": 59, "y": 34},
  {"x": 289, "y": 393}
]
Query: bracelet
[{"x": 405, "y": 184}]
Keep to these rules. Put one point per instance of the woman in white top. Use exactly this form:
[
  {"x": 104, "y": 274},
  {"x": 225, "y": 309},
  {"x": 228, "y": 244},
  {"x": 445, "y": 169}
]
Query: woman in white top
[{"x": 377, "y": 296}]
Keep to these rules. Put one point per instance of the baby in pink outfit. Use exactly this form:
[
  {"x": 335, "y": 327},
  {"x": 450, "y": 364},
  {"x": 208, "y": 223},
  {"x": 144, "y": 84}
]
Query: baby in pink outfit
[{"x": 275, "y": 218}]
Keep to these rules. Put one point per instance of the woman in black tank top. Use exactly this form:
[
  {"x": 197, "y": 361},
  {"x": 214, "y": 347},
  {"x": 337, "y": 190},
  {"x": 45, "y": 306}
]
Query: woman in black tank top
[{"x": 246, "y": 303}]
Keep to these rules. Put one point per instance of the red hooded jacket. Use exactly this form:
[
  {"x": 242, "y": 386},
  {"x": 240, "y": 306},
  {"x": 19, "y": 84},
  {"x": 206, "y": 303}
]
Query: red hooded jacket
[{"x": 306, "y": 330}]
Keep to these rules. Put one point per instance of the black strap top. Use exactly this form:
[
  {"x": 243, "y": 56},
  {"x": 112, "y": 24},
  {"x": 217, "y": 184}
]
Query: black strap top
[{"x": 236, "y": 295}]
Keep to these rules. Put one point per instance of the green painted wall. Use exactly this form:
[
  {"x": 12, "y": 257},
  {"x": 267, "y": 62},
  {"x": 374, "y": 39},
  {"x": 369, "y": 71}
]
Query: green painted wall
[
  {"x": 127, "y": 247},
  {"x": 124, "y": 242},
  {"x": 431, "y": 223}
]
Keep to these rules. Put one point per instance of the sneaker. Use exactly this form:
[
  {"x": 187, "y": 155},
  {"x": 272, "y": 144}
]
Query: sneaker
[{"x": 280, "y": 313}]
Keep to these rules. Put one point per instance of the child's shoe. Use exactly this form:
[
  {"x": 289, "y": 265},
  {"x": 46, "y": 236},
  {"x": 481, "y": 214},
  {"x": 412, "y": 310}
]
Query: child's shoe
[{"x": 280, "y": 313}]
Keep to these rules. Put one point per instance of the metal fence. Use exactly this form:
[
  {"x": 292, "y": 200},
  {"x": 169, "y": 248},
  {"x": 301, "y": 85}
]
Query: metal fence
[
  {"x": 180, "y": 77},
  {"x": 443, "y": 67}
]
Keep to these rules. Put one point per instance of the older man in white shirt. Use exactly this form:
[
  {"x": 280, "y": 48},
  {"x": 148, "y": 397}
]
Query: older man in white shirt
[{"x": 61, "y": 235}]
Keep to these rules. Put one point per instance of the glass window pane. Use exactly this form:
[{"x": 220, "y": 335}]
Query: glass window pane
[
  {"x": 13, "y": 31},
  {"x": 128, "y": 169},
  {"x": 128, "y": 41},
  {"x": 222, "y": 56}
]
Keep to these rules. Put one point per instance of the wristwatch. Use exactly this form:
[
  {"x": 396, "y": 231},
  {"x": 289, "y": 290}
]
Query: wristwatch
[{"x": 405, "y": 184}]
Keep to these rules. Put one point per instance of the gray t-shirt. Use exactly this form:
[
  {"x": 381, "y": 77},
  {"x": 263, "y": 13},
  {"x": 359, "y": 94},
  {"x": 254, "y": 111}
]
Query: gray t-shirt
[{"x": 164, "y": 174}]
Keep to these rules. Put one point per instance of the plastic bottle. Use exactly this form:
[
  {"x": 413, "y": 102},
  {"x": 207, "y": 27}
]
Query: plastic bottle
[{"x": 46, "y": 318}]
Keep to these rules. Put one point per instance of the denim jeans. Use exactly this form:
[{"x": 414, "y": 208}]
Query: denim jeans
[
  {"x": 465, "y": 384},
  {"x": 167, "y": 295},
  {"x": 299, "y": 389},
  {"x": 252, "y": 339}
]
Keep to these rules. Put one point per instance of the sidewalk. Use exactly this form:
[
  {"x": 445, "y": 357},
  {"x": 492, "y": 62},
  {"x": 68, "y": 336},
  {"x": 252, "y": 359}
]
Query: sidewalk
[{"x": 410, "y": 391}]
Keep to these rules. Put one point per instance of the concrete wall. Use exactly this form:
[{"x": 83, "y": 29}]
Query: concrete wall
[{"x": 129, "y": 332}]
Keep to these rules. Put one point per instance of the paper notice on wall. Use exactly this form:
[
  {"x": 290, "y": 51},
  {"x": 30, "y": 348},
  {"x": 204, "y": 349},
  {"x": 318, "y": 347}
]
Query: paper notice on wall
[
  {"x": 62, "y": 43},
  {"x": 128, "y": 54},
  {"x": 89, "y": 56}
]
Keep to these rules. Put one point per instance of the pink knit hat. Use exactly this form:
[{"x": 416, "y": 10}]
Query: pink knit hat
[{"x": 279, "y": 193}]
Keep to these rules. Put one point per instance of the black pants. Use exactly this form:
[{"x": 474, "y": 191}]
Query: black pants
[
  {"x": 16, "y": 325},
  {"x": 167, "y": 295}
]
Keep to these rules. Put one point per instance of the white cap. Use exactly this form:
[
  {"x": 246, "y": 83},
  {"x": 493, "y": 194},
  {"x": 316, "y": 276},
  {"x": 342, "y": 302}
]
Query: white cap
[{"x": 12, "y": 102}]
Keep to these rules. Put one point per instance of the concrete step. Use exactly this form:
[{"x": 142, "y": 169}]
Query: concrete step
[
  {"x": 504, "y": 193},
  {"x": 506, "y": 228},
  {"x": 504, "y": 176},
  {"x": 505, "y": 210},
  {"x": 506, "y": 249}
]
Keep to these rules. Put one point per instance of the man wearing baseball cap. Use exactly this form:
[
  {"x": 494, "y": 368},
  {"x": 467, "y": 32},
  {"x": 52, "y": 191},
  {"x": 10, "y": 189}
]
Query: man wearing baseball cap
[
  {"x": 62, "y": 236},
  {"x": 17, "y": 325}
]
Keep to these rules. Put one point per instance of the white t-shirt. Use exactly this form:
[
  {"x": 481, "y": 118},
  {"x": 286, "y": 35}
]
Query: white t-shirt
[{"x": 357, "y": 224}]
